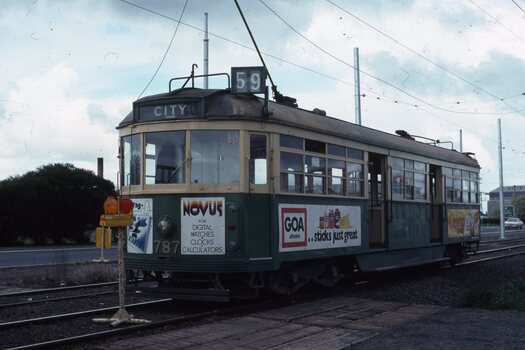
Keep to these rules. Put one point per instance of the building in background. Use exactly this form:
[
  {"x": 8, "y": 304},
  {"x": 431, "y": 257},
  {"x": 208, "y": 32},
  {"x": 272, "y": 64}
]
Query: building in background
[{"x": 509, "y": 194}]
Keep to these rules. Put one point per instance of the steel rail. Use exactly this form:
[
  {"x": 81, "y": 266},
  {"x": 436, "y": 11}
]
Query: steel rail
[
  {"x": 78, "y": 296},
  {"x": 470, "y": 262},
  {"x": 500, "y": 249},
  {"x": 20, "y": 323},
  {"x": 57, "y": 289},
  {"x": 144, "y": 326}
]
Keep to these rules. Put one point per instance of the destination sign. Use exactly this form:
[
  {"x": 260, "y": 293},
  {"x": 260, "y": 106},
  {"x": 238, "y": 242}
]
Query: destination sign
[{"x": 179, "y": 110}]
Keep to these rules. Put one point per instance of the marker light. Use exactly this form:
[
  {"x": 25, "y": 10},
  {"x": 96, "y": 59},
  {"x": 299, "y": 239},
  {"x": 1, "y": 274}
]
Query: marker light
[
  {"x": 111, "y": 205},
  {"x": 126, "y": 205}
]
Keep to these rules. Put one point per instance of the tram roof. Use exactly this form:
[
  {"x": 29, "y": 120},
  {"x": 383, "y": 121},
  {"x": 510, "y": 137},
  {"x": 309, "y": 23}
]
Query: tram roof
[{"x": 222, "y": 104}]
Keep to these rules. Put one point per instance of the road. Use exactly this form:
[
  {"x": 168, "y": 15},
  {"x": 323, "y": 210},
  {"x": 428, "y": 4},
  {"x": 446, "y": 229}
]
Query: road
[
  {"x": 11, "y": 257},
  {"x": 14, "y": 257}
]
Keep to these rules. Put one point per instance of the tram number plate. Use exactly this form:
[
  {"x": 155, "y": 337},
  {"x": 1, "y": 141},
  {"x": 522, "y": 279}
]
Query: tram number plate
[{"x": 166, "y": 247}]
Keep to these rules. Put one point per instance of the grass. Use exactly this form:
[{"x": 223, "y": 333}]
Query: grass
[{"x": 510, "y": 296}]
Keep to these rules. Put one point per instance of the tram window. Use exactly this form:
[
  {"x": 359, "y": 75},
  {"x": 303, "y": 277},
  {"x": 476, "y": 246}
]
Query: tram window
[
  {"x": 398, "y": 162},
  {"x": 314, "y": 165},
  {"x": 215, "y": 156},
  {"x": 449, "y": 187},
  {"x": 336, "y": 169},
  {"x": 420, "y": 186},
  {"x": 165, "y": 157},
  {"x": 398, "y": 183},
  {"x": 314, "y": 146},
  {"x": 409, "y": 185},
  {"x": 409, "y": 164},
  {"x": 457, "y": 190},
  {"x": 291, "y": 182},
  {"x": 291, "y": 172},
  {"x": 354, "y": 173},
  {"x": 473, "y": 192},
  {"x": 258, "y": 159},
  {"x": 355, "y": 153},
  {"x": 315, "y": 168},
  {"x": 466, "y": 190},
  {"x": 291, "y": 162},
  {"x": 131, "y": 160},
  {"x": 336, "y": 150},
  {"x": 420, "y": 166},
  {"x": 291, "y": 142}
]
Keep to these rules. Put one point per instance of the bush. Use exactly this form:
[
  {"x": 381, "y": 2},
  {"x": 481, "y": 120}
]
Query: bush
[{"x": 55, "y": 204}]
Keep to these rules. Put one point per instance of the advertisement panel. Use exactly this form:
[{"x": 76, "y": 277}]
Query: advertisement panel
[
  {"x": 463, "y": 222},
  {"x": 307, "y": 227},
  {"x": 202, "y": 226},
  {"x": 140, "y": 235}
]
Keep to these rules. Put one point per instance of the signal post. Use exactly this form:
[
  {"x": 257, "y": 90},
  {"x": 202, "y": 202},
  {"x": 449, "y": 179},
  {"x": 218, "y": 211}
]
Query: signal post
[{"x": 119, "y": 213}]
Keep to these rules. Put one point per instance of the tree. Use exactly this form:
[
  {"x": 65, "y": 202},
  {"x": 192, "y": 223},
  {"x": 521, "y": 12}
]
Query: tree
[
  {"x": 56, "y": 202},
  {"x": 519, "y": 207}
]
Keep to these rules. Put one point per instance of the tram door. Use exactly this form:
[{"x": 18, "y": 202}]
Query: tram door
[
  {"x": 258, "y": 200},
  {"x": 376, "y": 200},
  {"x": 436, "y": 206}
]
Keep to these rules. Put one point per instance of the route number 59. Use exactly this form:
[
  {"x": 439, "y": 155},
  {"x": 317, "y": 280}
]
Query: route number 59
[{"x": 248, "y": 80}]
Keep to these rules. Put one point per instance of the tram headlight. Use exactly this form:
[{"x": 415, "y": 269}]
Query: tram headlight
[
  {"x": 233, "y": 246},
  {"x": 165, "y": 226}
]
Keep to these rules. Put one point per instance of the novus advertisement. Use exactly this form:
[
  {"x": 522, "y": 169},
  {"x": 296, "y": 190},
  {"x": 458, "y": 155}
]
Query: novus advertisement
[
  {"x": 202, "y": 226},
  {"x": 306, "y": 227}
]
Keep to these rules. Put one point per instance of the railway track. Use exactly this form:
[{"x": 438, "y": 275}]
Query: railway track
[
  {"x": 36, "y": 296},
  {"x": 161, "y": 313}
]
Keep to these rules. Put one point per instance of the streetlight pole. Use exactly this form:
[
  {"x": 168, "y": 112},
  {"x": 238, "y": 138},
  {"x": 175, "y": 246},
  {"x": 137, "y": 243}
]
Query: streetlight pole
[{"x": 501, "y": 213}]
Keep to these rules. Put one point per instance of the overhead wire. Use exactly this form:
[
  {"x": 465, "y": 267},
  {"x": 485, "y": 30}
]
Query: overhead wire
[
  {"x": 393, "y": 100},
  {"x": 515, "y": 3},
  {"x": 424, "y": 57},
  {"x": 167, "y": 49},
  {"x": 496, "y": 20},
  {"x": 377, "y": 78}
]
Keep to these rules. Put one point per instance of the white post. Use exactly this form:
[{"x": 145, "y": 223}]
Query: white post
[
  {"x": 357, "y": 87},
  {"x": 206, "y": 50},
  {"x": 501, "y": 198},
  {"x": 461, "y": 140}
]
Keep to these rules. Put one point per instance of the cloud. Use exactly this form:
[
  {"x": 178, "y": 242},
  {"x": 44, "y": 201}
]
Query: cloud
[{"x": 50, "y": 123}]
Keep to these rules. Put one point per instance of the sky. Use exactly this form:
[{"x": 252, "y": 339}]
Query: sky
[{"x": 70, "y": 70}]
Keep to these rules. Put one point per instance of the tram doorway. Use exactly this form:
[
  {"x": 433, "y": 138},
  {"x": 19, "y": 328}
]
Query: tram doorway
[{"x": 376, "y": 200}]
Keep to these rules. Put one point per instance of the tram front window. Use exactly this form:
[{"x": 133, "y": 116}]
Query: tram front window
[
  {"x": 131, "y": 160},
  {"x": 165, "y": 157},
  {"x": 215, "y": 157}
]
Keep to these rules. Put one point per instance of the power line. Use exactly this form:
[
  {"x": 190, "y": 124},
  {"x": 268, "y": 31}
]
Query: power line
[
  {"x": 167, "y": 49},
  {"x": 325, "y": 75},
  {"x": 303, "y": 67},
  {"x": 496, "y": 20},
  {"x": 424, "y": 57},
  {"x": 518, "y": 6}
]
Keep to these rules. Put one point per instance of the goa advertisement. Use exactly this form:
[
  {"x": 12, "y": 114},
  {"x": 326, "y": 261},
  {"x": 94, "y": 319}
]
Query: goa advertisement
[
  {"x": 202, "y": 226},
  {"x": 140, "y": 234},
  {"x": 306, "y": 227}
]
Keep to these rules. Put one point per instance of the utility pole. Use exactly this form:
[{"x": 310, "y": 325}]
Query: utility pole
[
  {"x": 501, "y": 213},
  {"x": 357, "y": 87},
  {"x": 206, "y": 50}
]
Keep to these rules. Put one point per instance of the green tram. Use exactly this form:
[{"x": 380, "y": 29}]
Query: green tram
[{"x": 233, "y": 193}]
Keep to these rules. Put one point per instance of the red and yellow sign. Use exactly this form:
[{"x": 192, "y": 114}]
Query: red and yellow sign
[{"x": 463, "y": 222}]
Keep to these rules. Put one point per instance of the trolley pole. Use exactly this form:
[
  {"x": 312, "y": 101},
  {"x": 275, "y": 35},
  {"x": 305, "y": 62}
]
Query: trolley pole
[{"x": 501, "y": 213}]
